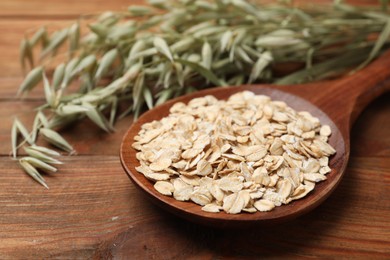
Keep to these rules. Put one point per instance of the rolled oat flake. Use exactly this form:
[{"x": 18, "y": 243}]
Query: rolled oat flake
[{"x": 241, "y": 155}]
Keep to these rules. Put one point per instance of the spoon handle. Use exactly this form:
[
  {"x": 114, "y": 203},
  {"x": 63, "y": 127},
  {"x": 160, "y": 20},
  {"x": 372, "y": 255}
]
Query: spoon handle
[
  {"x": 344, "y": 99},
  {"x": 359, "y": 89}
]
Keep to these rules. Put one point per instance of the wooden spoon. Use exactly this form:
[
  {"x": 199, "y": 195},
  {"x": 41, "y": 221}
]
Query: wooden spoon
[{"x": 336, "y": 103}]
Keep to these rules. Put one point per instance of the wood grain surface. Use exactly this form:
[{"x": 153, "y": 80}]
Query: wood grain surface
[{"x": 92, "y": 210}]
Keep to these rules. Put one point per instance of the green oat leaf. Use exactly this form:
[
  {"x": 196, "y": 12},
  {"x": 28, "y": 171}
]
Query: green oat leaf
[
  {"x": 26, "y": 54},
  {"x": 100, "y": 30},
  {"x": 98, "y": 118},
  {"x": 32, "y": 171},
  {"x": 58, "y": 76},
  {"x": 43, "y": 155},
  {"x": 139, "y": 10},
  {"x": 137, "y": 47},
  {"x": 260, "y": 65},
  {"x": 70, "y": 109},
  {"x": 164, "y": 95},
  {"x": 40, "y": 120},
  {"x": 44, "y": 150},
  {"x": 32, "y": 79},
  {"x": 105, "y": 63},
  {"x": 207, "y": 55},
  {"x": 39, "y": 35},
  {"x": 68, "y": 72},
  {"x": 148, "y": 97},
  {"x": 56, "y": 139},
  {"x": 38, "y": 164},
  {"x": 208, "y": 74},
  {"x": 318, "y": 70},
  {"x": 137, "y": 91},
  {"x": 86, "y": 64},
  {"x": 57, "y": 39},
  {"x": 23, "y": 131},
  {"x": 74, "y": 38},
  {"x": 380, "y": 42},
  {"x": 161, "y": 45},
  {"x": 48, "y": 90}
]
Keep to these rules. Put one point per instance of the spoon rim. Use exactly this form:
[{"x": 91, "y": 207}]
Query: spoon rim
[{"x": 192, "y": 211}]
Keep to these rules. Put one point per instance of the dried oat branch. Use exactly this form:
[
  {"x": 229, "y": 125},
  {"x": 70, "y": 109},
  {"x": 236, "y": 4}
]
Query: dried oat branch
[{"x": 153, "y": 53}]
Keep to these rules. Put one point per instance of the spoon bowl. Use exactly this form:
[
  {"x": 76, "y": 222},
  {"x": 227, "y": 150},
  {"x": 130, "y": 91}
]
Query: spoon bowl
[{"x": 336, "y": 103}]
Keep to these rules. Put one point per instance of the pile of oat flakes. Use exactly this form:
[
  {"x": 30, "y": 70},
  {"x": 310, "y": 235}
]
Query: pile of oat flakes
[{"x": 246, "y": 154}]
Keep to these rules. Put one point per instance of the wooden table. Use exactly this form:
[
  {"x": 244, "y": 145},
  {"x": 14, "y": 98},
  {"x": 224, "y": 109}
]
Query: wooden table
[{"x": 92, "y": 210}]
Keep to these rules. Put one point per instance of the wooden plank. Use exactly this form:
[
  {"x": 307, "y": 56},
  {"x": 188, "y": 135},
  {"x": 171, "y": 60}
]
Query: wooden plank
[
  {"x": 339, "y": 227},
  {"x": 9, "y": 88},
  {"x": 86, "y": 201},
  {"x": 9, "y": 44},
  {"x": 53, "y": 9},
  {"x": 92, "y": 209},
  {"x": 12, "y": 36},
  {"x": 72, "y": 8}
]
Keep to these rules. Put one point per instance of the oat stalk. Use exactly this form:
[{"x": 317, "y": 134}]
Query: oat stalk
[{"x": 123, "y": 62}]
